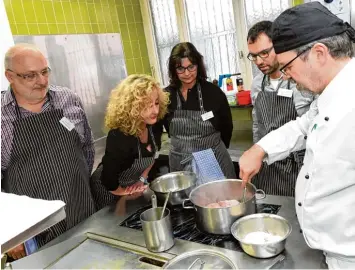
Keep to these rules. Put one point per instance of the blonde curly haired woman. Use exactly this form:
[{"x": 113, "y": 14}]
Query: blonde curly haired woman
[{"x": 135, "y": 105}]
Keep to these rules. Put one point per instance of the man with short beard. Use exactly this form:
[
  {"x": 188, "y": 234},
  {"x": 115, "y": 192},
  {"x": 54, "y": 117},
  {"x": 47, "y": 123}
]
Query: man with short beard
[{"x": 276, "y": 101}]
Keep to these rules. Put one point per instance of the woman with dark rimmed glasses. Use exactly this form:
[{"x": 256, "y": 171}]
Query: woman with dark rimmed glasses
[{"x": 199, "y": 116}]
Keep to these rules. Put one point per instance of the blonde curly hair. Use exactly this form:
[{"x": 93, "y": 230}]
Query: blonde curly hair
[{"x": 129, "y": 99}]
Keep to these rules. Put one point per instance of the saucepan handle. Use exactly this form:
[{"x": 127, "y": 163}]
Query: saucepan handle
[
  {"x": 154, "y": 201},
  {"x": 261, "y": 193},
  {"x": 276, "y": 260},
  {"x": 187, "y": 207},
  {"x": 202, "y": 263}
]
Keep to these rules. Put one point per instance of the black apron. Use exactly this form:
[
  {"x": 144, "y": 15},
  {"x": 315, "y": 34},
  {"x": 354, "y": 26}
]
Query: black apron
[
  {"x": 102, "y": 196},
  {"x": 47, "y": 162},
  {"x": 189, "y": 133},
  {"x": 272, "y": 112}
]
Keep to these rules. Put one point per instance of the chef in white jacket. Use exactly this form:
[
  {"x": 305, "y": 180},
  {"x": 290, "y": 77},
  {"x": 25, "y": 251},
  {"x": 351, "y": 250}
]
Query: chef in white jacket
[{"x": 316, "y": 49}]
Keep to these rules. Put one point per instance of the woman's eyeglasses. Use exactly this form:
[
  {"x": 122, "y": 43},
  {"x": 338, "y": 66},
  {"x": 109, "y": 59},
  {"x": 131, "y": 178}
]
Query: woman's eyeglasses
[{"x": 182, "y": 69}]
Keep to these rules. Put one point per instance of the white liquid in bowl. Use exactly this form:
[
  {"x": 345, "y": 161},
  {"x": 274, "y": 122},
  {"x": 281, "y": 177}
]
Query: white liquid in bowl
[{"x": 261, "y": 238}]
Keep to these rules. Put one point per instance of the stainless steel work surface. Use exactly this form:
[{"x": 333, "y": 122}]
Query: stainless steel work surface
[
  {"x": 94, "y": 254},
  {"x": 106, "y": 223}
]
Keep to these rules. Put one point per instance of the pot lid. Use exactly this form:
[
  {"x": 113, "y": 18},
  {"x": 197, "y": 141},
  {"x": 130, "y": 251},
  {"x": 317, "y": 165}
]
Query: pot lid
[{"x": 200, "y": 259}]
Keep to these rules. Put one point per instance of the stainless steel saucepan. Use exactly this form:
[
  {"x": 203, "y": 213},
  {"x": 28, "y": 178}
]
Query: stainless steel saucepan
[{"x": 179, "y": 183}]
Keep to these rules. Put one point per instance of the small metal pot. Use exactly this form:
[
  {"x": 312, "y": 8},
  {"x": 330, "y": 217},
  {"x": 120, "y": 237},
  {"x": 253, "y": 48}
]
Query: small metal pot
[
  {"x": 269, "y": 223},
  {"x": 158, "y": 233},
  {"x": 179, "y": 183},
  {"x": 220, "y": 220}
]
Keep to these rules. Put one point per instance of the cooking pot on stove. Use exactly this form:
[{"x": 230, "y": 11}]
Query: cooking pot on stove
[
  {"x": 179, "y": 183},
  {"x": 220, "y": 220}
]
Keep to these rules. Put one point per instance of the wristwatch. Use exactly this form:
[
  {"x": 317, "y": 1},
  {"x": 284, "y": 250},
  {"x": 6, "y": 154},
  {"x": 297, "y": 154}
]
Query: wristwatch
[{"x": 142, "y": 179}]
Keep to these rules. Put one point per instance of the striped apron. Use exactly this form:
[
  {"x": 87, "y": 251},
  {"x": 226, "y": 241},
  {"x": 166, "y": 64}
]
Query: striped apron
[
  {"x": 272, "y": 112},
  {"x": 189, "y": 133},
  {"x": 102, "y": 196},
  {"x": 47, "y": 162}
]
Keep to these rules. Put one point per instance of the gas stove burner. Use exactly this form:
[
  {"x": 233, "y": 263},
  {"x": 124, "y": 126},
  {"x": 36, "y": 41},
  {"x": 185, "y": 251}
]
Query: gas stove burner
[
  {"x": 184, "y": 226},
  {"x": 268, "y": 208}
]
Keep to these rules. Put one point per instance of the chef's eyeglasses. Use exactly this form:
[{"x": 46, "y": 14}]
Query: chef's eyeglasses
[
  {"x": 263, "y": 54},
  {"x": 32, "y": 76},
  {"x": 182, "y": 69},
  {"x": 286, "y": 66}
]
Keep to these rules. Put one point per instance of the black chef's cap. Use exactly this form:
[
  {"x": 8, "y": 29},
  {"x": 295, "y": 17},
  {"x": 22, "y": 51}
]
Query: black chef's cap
[{"x": 304, "y": 24}]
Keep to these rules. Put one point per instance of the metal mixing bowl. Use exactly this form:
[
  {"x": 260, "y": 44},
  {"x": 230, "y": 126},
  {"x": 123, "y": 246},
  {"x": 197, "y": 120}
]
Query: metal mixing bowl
[
  {"x": 179, "y": 183},
  {"x": 269, "y": 223}
]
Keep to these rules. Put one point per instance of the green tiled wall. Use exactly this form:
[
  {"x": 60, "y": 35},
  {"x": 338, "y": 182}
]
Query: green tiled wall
[
  {"x": 298, "y": 2},
  {"x": 51, "y": 17}
]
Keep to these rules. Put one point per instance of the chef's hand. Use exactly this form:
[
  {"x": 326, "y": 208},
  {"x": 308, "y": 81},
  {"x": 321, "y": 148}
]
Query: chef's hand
[
  {"x": 17, "y": 252},
  {"x": 250, "y": 163}
]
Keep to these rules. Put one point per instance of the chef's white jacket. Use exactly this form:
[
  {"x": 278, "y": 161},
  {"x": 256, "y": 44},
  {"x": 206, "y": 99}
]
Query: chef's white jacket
[{"x": 325, "y": 188}]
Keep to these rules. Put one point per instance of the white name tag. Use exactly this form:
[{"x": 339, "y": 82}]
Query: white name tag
[
  {"x": 67, "y": 124},
  {"x": 207, "y": 115},
  {"x": 283, "y": 92},
  {"x": 156, "y": 156}
]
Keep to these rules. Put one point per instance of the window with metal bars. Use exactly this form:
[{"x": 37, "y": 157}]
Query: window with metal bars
[
  {"x": 260, "y": 10},
  {"x": 211, "y": 26}
]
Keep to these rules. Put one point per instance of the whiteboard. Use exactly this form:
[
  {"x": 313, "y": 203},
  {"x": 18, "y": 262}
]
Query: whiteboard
[{"x": 89, "y": 65}]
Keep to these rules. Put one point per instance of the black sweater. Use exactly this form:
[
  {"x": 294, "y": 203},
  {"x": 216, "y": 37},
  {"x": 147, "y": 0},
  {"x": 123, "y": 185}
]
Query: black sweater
[{"x": 120, "y": 153}]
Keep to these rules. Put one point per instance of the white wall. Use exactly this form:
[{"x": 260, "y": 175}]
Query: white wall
[
  {"x": 6, "y": 41},
  {"x": 341, "y": 8}
]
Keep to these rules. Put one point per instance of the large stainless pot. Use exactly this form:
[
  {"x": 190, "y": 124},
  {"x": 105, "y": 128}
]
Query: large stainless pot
[
  {"x": 179, "y": 183},
  {"x": 220, "y": 220}
]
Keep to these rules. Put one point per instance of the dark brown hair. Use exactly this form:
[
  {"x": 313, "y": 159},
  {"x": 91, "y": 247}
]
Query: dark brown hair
[
  {"x": 259, "y": 28},
  {"x": 185, "y": 50}
]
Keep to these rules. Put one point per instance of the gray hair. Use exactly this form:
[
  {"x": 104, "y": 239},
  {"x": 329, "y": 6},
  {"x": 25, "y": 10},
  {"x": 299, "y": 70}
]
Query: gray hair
[
  {"x": 339, "y": 46},
  {"x": 17, "y": 49}
]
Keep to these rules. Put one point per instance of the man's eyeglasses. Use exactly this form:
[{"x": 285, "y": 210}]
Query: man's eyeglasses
[
  {"x": 263, "y": 54},
  {"x": 31, "y": 77},
  {"x": 182, "y": 69},
  {"x": 285, "y": 67}
]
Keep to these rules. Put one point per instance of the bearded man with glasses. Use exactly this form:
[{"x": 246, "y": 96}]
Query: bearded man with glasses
[{"x": 276, "y": 101}]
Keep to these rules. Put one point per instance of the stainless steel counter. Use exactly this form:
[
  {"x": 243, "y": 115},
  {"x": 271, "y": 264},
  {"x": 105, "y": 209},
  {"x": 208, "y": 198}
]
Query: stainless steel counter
[{"x": 106, "y": 223}]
